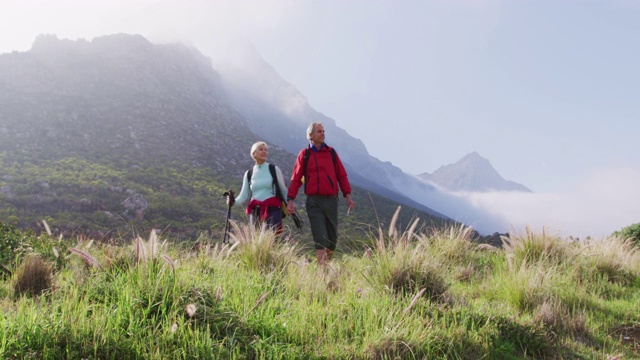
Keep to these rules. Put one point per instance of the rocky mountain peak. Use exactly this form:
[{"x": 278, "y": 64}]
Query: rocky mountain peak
[{"x": 472, "y": 173}]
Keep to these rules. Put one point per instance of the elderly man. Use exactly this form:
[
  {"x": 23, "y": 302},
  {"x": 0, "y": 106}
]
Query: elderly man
[{"x": 323, "y": 172}]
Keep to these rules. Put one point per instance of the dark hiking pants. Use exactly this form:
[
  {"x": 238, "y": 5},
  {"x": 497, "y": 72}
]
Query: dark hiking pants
[{"x": 323, "y": 219}]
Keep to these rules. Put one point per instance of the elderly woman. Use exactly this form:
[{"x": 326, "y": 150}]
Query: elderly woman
[{"x": 261, "y": 190}]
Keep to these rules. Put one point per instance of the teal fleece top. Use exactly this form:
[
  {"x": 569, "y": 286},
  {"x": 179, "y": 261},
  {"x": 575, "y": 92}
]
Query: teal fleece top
[{"x": 261, "y": 184}]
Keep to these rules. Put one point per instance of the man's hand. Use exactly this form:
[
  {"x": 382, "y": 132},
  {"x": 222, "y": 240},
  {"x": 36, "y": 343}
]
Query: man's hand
[
  {"x": 290, "y": 207},
  {"x": 350, "y": 203}
]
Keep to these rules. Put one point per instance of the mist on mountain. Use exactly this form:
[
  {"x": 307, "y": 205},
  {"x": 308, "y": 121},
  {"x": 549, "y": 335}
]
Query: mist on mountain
[
  {"x": 117, "y": 130},
  {"x": 277, "y": 111}
]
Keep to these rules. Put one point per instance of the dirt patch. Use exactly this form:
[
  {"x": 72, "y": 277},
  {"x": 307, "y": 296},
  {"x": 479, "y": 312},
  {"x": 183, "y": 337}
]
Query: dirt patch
[{"x": 629, "y": 335}]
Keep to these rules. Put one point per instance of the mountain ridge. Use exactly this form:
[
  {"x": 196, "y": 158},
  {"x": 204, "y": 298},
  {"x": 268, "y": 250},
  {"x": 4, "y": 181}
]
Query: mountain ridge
[{"x": 98, "y": 136}]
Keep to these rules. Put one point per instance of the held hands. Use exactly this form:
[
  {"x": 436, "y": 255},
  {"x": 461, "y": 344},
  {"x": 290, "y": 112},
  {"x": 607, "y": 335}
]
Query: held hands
[{"x": 290, "y": 207}]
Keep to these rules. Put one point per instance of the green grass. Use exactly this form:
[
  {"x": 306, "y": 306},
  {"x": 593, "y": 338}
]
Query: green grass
[{"x": 416, "y": 294}]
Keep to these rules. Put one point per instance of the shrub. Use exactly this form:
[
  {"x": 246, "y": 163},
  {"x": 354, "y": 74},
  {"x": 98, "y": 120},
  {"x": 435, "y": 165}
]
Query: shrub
[
  {"x": 615, "y": 259},
  {"x": 33, "y": 277},
  {"x": 630, "y": 232},
  {"x": 261, "y": 249},
  {"x": 405, "y": 266},
  {"x": 536, "y": 249},
  {"x": 527, "y": 286}
]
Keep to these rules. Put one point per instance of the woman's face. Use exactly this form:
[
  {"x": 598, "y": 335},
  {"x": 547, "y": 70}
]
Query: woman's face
[{"x": 261, "y": 154}]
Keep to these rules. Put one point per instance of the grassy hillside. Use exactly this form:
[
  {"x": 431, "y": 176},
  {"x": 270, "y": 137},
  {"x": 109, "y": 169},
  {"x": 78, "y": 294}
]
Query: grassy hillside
[
  {"x": 412, "y": 295},
  {"x": 77, "y": 196}
]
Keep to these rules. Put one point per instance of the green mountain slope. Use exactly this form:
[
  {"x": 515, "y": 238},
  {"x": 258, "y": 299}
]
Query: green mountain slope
[{"x": 119, "y": 135}]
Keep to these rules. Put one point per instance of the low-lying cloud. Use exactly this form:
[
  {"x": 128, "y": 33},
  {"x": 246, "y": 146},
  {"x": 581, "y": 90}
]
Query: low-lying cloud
[{"x": 604, "y": 202}]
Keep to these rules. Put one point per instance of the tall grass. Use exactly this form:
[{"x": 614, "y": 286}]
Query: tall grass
[
  {"x": 417, "y": 293},
  {"x": 261, "y": 249},
  {"x": 33, "y": 277}
]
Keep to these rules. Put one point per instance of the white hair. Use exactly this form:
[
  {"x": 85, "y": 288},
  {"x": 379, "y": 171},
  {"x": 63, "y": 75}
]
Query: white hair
[
  {"x": 310, "y": 129},
  {"x": 255, "y": 148}
]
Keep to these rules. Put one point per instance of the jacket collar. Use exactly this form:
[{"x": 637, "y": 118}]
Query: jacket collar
[{"x": 314, "y": 148}]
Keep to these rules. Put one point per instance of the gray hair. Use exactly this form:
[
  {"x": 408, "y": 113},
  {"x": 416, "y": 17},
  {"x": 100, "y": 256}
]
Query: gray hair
[
  {"x": 255, "y": 147},
  {"x": 310, "y": 129}
]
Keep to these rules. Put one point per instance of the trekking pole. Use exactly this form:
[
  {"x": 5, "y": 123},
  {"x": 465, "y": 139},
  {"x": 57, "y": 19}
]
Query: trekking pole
[{"x": 228, "y": 193}]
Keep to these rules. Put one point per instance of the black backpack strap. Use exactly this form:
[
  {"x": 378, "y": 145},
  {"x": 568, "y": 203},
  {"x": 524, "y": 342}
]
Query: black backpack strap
[
  {"x": 305, "y": 161},
  {"x": 272, "y": 170},
  {"x": 274, "y": 176},
  {"x": 333, "y": 157},
  {"x": 249, "y": 173}
]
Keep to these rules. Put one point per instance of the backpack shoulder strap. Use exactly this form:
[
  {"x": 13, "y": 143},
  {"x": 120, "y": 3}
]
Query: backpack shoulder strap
[
  {"x": 305, "y": 161},
  {"x": 249, "y": 173},
  {"x": 272, "y": 170},
  {"x": 333, "y": 157}
]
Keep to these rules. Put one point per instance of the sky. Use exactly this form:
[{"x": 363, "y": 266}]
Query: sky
[{"x": 546, "y": 90}]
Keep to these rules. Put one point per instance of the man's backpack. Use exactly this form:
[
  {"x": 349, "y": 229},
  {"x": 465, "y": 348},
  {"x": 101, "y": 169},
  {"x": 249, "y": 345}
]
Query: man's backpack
[{"x": 305, "y": 161}]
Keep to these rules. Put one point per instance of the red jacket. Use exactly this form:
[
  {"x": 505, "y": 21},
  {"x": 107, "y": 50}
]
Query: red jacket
[{"x": 322, "y": 177}]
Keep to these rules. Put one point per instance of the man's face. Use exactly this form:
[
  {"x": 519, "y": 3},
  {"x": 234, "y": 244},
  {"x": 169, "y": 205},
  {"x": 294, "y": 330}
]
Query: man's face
[{"x": 317, "y": 136}]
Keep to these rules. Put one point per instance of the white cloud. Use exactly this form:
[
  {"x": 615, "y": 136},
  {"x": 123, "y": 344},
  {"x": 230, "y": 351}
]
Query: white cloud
[
  {"x": 198, "y": 22},
  {"x": 606, "y": 201}
]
